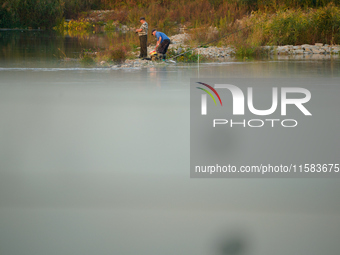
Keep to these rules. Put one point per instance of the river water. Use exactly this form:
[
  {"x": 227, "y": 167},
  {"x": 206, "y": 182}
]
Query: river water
[{"x": 96, "y": 161}]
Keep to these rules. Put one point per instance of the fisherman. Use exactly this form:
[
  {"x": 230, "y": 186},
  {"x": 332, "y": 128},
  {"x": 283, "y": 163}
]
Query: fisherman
[
  {"x": 143, "y": 38},
  {"x": 162, "y": 44}
]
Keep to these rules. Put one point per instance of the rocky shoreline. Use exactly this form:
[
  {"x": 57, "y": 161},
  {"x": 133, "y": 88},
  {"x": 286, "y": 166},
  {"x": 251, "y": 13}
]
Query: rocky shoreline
[
  {"x": 213, "y": 52},
  {"x": 220, "y": 54},
  {"x": 217, "y": 52}
]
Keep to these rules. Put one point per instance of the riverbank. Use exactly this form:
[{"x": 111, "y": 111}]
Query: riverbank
[
  {"x": 179, "y": 51},
  {"x": 137, "y": 63},
  {"x": 225, "y": 54},
  {"x": 178, "y": 44},
  {"x": 260, "y": 34}
]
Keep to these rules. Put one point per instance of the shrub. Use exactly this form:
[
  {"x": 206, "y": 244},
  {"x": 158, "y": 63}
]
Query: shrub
[
  {"x": 249, "y": 52},
  {"x": 189, "y": 56},
  {"x": 30, "y": 13},
  {"x": 288, "y": 27},
  {"x": 86, "y": 59},
  {"x": 118, "y": 53},
  {"x": 300, "y": 27},
  {"x": 80, "y": 25}
]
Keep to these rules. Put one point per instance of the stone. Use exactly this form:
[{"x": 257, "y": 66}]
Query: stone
[
  {"x": 298, "y": 51},
  {"x": 327, "y": 50},
  {"x": 316, "y": 51},
  {"x": 319, "y": 44}
]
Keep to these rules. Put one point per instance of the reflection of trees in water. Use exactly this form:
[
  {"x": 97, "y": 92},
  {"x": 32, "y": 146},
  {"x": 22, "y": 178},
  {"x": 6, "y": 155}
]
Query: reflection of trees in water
[
  {"x": 26, "y": 44},
  {"x": 20, "y": 44}
]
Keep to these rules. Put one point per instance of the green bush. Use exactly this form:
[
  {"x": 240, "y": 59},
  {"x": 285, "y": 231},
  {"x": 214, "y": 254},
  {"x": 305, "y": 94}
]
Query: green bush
[
  {"x": 8, "y": 16},
  {"x": 79, "y": 25},
  {"x": 188, "y": 56},
  {"x": 250, "y": 52},
  {"x": 87, "y": 60},
  {"x": 30, "y": 13},
  {"x": 118, "y": 54}
]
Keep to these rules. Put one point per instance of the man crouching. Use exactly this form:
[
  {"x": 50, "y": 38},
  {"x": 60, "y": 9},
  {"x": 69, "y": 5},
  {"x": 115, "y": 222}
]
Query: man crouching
[{"x": 162, "y": 44}]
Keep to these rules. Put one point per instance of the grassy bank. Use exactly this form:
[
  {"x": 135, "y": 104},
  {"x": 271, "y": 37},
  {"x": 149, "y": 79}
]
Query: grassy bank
[
  {"x": 283, "y": 27},
  {"x": 266, "y": 22},
  {"x": 294, "y": 27}
]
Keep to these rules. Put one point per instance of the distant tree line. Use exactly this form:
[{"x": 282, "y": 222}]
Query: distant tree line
[{"x": 46, "y": 14}]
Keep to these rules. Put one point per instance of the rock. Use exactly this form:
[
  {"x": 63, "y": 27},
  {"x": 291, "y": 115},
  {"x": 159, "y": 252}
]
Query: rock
[
  {"x": 179, "y": 38},
  {"x": 299, "y": 51},
  {"x": 327, "y": 50},
  {"x": 316, "y": 51},
  {"x": 319, "y": 44}
]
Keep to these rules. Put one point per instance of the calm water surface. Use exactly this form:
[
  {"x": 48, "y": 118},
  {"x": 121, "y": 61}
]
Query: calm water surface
[{"x": 96, "y": 161}]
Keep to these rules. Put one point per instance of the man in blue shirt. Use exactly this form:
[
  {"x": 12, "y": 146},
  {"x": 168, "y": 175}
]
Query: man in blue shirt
[{"x": 162, "y": 44}]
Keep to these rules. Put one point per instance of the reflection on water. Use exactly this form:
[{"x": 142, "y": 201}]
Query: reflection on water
[
  {"x": 24, "y": 48},
  {"x": 96, "y": 161}
]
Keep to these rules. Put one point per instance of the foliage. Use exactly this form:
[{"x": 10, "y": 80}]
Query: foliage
[
  {"x": 295, "y": 27},
  {"x": 79, "y": 25},
  {"x": 271, "y": 22},
  {"x": 117, "y": 53},
  {"x": 86, "y": 59},
  {"x": 30, "y": 13},
  {"x": 188, "y": 56},
  {"x": 249, "y": 52},
  {"x": 110, "y": 26}
]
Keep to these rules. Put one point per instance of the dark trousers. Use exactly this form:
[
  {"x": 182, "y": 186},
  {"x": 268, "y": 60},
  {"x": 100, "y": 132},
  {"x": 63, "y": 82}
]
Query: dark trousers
[
  {"x": 163, "y": 47},
  {"x": 143, "y": 39}
]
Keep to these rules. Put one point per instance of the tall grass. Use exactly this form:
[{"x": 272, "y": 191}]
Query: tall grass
[{"x": 293, "y": 27}]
